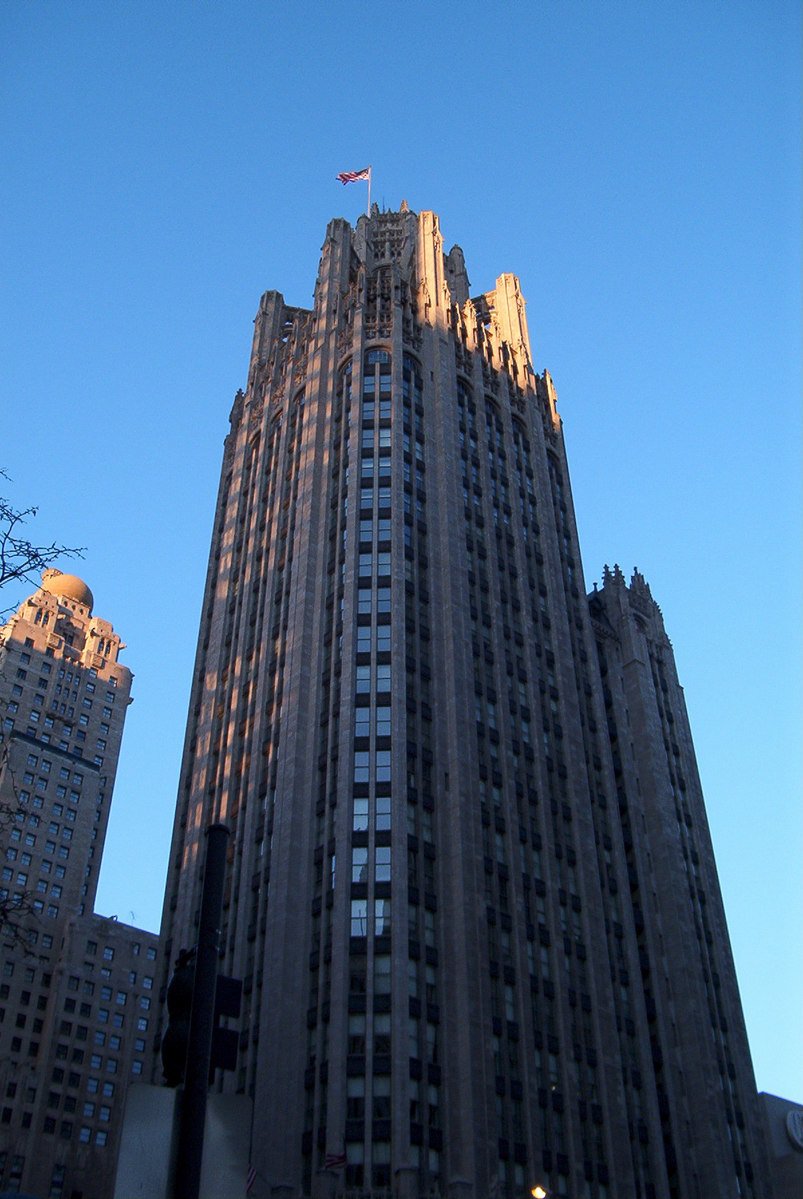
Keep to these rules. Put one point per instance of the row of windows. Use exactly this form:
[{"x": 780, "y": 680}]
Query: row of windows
[
  {"x": 108, "y": 951},
  {"x": 359, "y": 864},
  {"x": 363, "y": 764},
  {"x": 66, "y": 1132},
  {"x": 66, "y": 677},
  {"x": 366, "y": 718},
  {"x": 17, "y": 837},
  {"x": 381, "y": 805},
  {"x": 31, "y": 730},
  {"x": 382, "y": 492}
]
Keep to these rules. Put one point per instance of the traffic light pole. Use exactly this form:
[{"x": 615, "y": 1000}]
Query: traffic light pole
[{"x": 189, "y": 1151}]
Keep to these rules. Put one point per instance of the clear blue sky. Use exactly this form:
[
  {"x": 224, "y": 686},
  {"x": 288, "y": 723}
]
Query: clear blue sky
[{"x": 635, "y": 163}]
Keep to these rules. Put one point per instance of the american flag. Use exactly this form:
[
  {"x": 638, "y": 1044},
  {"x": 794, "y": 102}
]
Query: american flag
[
  {"x": 354, "y": 176},
  {"x": 334, "y": 1161}
]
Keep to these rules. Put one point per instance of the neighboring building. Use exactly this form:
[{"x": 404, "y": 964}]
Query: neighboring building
[
  {"x": 471, "y": 890},
  {"x": 75, "y": 988},
  {"x": 784, "y": 1126}
]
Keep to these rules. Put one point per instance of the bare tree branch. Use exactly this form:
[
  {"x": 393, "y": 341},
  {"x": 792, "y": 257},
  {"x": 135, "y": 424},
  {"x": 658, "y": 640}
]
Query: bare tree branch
[{"x": 21, "y": 558}]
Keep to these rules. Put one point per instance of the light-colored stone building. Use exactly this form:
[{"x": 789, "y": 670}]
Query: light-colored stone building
[
  {"x": 75, "y": 988},
  {"x": 471, "y": 891}
]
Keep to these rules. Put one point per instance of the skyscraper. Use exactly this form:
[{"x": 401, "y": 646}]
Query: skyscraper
[
  {"x": 471, "y": 890},
  {"x": 76, "y": 988}
]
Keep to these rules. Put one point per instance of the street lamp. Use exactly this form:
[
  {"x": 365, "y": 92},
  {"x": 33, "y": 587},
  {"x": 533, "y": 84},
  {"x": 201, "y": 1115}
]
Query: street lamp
[{"x": 538, "y": 1193}]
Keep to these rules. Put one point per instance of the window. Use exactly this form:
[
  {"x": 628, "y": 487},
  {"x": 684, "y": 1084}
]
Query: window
[
  {"x": 382, "y": 1045},
  {"x": 381, "y": 917},
  {"x": 382, "y": 813},
  {"x": 355, "y": 1086},
  {"x": 361, "y": 765},
  {"x": 362, "y": 723},
  {"x": 382, "y": 863},
  {"x": 359, "y": 917},
  {"x": 363, "y": 680},
  {"x": 382, "y": 974},
  {"x": 364, "y": 639},
  {"x": 359, "y": 865},
  {"x": 382, "y": 765},
  {"x": 360, "y": 817}
]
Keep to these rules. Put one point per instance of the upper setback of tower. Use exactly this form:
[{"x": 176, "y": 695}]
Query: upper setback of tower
[
  {"x": 58, "y": 618},
  {"x": 392, "y": 261}
]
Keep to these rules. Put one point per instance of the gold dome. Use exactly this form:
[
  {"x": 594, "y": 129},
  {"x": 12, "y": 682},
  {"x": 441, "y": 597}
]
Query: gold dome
[{"x": 67, "y": 587}]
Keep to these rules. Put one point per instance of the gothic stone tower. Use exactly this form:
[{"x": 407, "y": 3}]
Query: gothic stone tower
[{"x": 482, "y": 942}]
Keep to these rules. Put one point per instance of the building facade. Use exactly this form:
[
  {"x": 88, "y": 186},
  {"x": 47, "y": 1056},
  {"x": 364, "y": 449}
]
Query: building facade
[
  {"x": 76, "y": 988},
  {"x": 471, "y": 891},
  {"x": 783, "y": 1122}
]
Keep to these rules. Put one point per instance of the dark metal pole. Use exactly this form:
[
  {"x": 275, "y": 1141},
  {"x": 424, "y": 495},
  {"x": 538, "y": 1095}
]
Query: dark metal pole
[{"x": 189, "y": 1152}]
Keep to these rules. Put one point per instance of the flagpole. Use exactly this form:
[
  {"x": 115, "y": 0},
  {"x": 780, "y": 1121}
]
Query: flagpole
[{"x": 369, "y": 190}]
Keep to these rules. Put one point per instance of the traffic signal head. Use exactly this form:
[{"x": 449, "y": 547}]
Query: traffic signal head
[{"x": 179, "y": 1008}]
